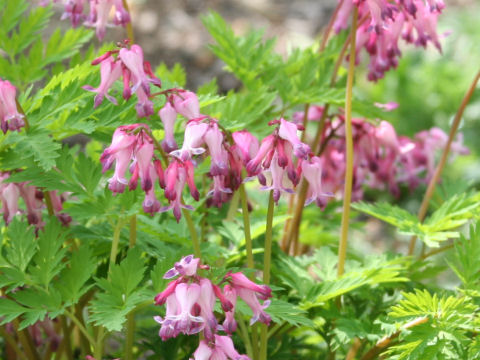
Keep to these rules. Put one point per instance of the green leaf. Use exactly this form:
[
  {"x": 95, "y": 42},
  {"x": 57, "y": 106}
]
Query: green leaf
[
  {"x": 72, "y": 279},
  {"x": 440, "y": 226},
  {"x": 465, "y": 263},
  {"x": 282, "y": 311},
  {"x": 22, "y": 245},
  {"x": 36, "y": 143},
  {"x": 120, "y": 293},
  {"x": 47, "y": 262}
]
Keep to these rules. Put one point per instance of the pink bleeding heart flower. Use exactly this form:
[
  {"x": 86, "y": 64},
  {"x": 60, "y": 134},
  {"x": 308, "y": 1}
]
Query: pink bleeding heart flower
[
  {"x": 168, "y": 115},
  {"x": 186, "y": 103},
  {"x": 110, "y": 71},
  {"x": 193, "y": 139},
  {"x": 214, "y": 139},
  {"x": 246, "y": 145},
  {"x": 312, "y": 171},
  {"x": 230, "y": 324},
  {"x": 9, "y": 196},
  {"x": 288, "y": 131},
  {"x": 176, "y": 176},
  {"x": 187, "y": 266},
  {"x": 185, "y": 322},
  {"x": 206, "y": 301},
  {"x": 73, "y": 10},
  {"x": 10, "y": 117}
]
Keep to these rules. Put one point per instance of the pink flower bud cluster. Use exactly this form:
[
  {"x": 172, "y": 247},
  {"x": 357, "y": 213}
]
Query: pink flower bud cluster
[
  {"x": 190, "y": 302},
  {"x": 384, "y": 22},
  {"x": 10, "y": 117},
  {"x": 137, "y": 75},
  {"x": 97, "y": 15},
  {"x": 10, "y": 194},
  {"x": 382, "y": 159}
]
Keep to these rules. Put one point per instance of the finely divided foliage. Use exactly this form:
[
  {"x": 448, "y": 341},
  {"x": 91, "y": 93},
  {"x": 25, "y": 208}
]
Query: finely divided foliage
[{"x": 180, "y": 229}]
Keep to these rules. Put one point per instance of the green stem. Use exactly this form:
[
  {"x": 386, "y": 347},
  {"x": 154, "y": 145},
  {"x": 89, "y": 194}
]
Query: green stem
[
  {"x": 67, "y": 338},
  {"x": 133, "y": 231},
  {"x": 250, "y": 261},
  {"x": 130, "y": 333},
  {"x": 347, "y": 193},
  {"x": 266, "y": 270},
  {"x": 48, "y": 202},
  {"x": 232, "y": 209},
  {"x": 113, "y": 255},
  {"x": 129, "y": 25},
  {"x": 246, "y": 227},
  {"x": 115, "y": 241},
  {"x": 193, "y": 233},
  {"x": 80, "y": 326},
  {"x": 246, "y": 338}
]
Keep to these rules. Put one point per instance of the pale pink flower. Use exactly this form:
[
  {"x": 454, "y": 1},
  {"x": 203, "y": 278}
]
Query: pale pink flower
[
  {"x": 110, "y": 71},
  {"x": 186, "y": 103},
  {"x": 10, "y": 117},
  {"x": 192, "y": 142},
  {"x": 168, "y": 115}
]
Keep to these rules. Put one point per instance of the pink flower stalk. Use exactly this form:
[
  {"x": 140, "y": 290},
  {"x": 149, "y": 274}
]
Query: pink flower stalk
[
  {"x": 99, "y": 15},
  {"x": 168, "y": 115},
  {"x": 190, "y": 303},
  {"x": 383, "y": 160},
  {"x": 275, "y": 156},
  {"x": 132, "y": 148},
  {"x": 186, "y": 104},
  {"x": 10, "y": 117},
  {"x": 136, "y": 74},
  {"x": 386, "y": 22}
]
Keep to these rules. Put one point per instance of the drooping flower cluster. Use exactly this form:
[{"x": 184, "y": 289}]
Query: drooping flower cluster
[
  {"x": 137, "y": 75},
  {"x": 10, "y": 194},
  {"x": 202, "y": 131},
  {"x": 276, "y": 158},
  {"x": 94, "y": 13},
  {"x": 10, "y": 117},
  {"x": 382, "y": 159},
  {"x": 132, "y": 149},
  {"x": 190, "y": 300},
  {"x": 384, "y": 22}
]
